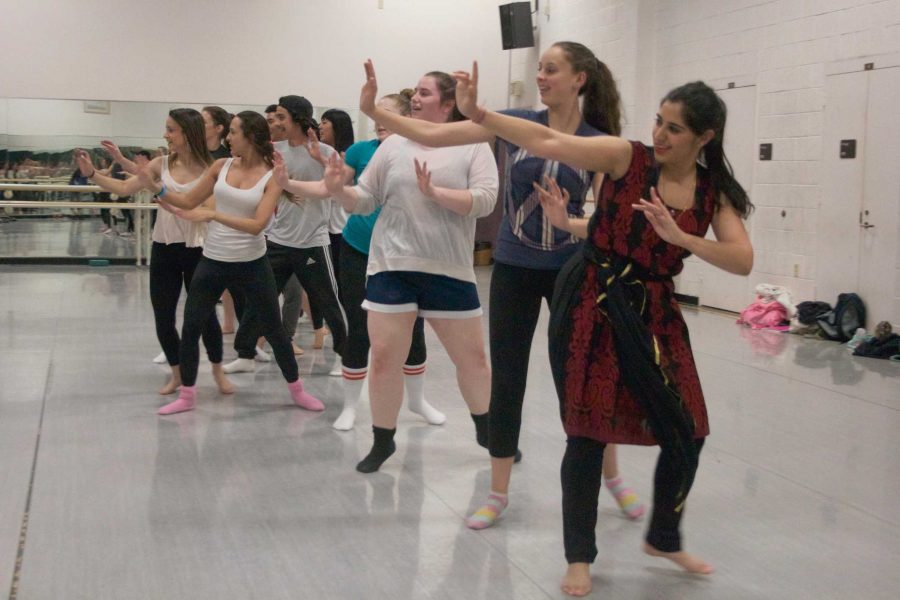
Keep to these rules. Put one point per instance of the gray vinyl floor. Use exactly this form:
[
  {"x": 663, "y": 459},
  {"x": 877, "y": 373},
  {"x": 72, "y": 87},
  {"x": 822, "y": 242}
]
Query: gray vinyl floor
[{"x": 797, "y": 496}]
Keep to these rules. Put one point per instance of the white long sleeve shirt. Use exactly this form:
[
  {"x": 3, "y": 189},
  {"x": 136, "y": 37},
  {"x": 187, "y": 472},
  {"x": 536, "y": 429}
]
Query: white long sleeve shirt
[{"x": 413, "y": 232}]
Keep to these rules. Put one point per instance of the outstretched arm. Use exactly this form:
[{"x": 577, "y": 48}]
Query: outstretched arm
[
  {"x": 424, "y": 132},
  {"x": 110, "y": 184},
  {"x": 253, "y": 225},
  {"x": 302, "y": 189},
  {"x": 334, "y": 183},
  {"x": 730, "y": 251},
  {"x": 116, "y": 154},
  {"x": 603, "y": 154},
  {"x": 186, "y": 200}
]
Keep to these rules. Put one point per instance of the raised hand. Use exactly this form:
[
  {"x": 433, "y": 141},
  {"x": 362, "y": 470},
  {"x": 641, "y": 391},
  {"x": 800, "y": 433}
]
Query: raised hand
[
  {"x": 554, "y": 202},
  {"x": 369, "y": 90},
  {"x": 334, "y": 174},
  {"x": 423, "y": 178},
  {"x": 312, "y": 145},
  {"x": 660, "y": 217},
  {"x": 467, "y": 91},
  {"x": 279, "y": 171},
  {"x": 114, "y": 152},
  {"x": 83, "y": 160}
]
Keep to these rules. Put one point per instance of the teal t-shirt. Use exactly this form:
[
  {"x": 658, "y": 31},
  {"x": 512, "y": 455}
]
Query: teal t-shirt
[{"x": 358, "y": 230}]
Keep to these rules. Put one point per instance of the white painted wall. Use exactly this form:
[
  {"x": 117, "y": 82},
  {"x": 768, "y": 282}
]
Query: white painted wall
[{"x": 240, "y": 52}]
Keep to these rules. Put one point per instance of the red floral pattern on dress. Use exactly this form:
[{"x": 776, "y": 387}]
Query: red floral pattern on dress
[{"x": 597, "y": 404}]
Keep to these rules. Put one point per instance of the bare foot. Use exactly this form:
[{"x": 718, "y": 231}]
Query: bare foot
[
  {"x": 171, "y": 386},
  {"x": 688, "y": 562},
  {"x": 298, "y": 351},
  {"x": 225, "y": 386},
  {"x": 226, "y": 329},
  {"x": 319, "y": 341},
  {"x": 577, "y": 581}
]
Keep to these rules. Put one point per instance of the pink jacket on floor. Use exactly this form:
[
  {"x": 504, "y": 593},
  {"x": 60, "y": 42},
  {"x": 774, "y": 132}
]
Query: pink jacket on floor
[{"x": 761, "y": 314}]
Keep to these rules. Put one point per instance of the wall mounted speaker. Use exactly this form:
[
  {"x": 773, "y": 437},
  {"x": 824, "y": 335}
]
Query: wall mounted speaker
[{"x": 515, "y": 25}]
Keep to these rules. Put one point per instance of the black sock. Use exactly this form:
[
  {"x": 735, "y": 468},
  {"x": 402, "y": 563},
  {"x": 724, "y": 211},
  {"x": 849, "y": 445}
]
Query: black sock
[{"x": 381, "y": 450}]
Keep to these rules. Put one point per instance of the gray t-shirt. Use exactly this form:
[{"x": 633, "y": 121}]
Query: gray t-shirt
[{"x": 302, "y": 223}]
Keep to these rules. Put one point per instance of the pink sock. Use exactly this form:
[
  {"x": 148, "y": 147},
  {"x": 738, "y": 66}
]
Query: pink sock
[
  {"x": 304, "y": 399},
  {"x": 187, "y": 397}
]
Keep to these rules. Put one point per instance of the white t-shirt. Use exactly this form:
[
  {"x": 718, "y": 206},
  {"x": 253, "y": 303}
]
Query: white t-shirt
[
  {"x": 301, "y": 224},
  {"x": 413, "y": 232}
]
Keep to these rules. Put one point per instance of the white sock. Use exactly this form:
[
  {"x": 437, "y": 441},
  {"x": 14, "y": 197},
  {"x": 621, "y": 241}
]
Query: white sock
[
  {"x": 240, "y": 365},
  {"x": 262, "y": 355},
  {"x": 414, "y": 382},
  {"x": 354, "y": 380},
  {"x": 160, "y": 358},
  {"x": 337, "y": 370}
]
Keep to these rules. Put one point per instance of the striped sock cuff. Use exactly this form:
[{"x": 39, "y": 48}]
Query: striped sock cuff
[
  {"x": 354, "y": 374},
  {"x": 414, "y": 369}
]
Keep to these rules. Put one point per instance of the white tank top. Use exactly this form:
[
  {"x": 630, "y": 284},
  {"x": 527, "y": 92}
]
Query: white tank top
[
  {"x": 170, "y": 229},
  {"x": 230, "y": 245}
]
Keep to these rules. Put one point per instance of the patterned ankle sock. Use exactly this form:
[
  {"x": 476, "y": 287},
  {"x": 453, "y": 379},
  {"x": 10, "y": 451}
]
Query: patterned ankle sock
[
  {"x": 487, "y": 515},
  {"x": 627, "y": 499}
]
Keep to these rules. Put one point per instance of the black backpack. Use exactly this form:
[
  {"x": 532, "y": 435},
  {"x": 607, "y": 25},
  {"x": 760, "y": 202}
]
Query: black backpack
[{"x": 849, "y": 314}]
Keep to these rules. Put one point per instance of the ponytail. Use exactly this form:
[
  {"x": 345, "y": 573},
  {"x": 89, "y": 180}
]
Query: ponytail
[{"x": 602, "y": 106}]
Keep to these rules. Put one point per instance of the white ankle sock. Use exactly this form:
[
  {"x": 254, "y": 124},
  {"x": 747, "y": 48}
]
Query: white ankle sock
[
  {"x": 354, "y": 380},
  {"x": 414, "y": 382},
  {"x": 240, "y": 365}
]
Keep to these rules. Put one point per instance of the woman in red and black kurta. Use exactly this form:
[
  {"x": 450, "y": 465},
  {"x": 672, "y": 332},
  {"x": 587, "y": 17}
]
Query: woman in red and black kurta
[{"x": 619, "y": 347}]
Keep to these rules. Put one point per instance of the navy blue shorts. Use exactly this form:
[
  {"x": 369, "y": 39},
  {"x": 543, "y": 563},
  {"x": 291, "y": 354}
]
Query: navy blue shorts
[{"x": 431, "y": 296}]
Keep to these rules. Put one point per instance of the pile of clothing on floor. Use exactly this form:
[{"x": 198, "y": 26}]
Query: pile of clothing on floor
[{"x": 774, "y": 310}]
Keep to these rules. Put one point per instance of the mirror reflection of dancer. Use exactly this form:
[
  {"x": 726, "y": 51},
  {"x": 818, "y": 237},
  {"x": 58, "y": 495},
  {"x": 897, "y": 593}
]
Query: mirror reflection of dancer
[
  {"x": 234, "y": 253},
  {"x": 530, "y": 252},
  {"x": 354, "y": 257},
  {"x": 298, "y": 236},
  {"x": 619, "y": 347},
  {"x": 177, "y": 243},
  {"x": 420, "y": 260}
]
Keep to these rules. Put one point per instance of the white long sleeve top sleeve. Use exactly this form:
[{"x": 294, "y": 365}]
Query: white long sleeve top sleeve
[{"x": 414, "y": 233}]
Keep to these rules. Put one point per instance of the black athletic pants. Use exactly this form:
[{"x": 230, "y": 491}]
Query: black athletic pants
[
  {"x": 256, "y": 284},
  {"x": 173, "y": 266}
]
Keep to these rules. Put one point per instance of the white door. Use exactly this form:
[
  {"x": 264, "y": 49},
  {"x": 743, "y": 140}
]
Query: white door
[
  {"x": 859, "y": 220},
  {"x": 880, "y": 211},
  {"x": 719, "y": 288}
]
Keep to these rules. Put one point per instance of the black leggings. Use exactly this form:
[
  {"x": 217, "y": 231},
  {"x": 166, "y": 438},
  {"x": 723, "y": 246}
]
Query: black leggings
[
  {"x": 313, "y": 269},
  {"x": 256, "y": 283},
  {"x": 171, "y": 266},
  {"x": 580, "y": 474},
  {"x": 353, "y": 286},
  {"x": 515, "y": 304}
]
